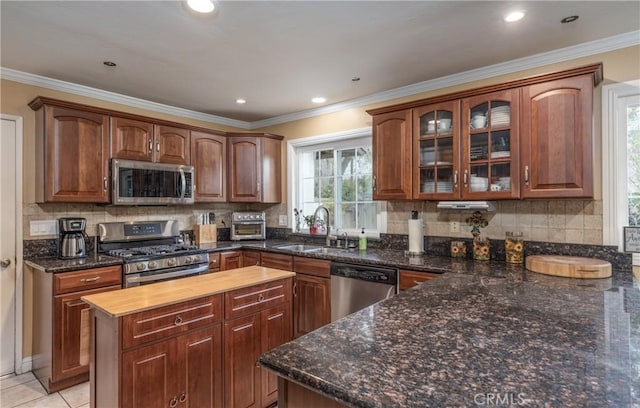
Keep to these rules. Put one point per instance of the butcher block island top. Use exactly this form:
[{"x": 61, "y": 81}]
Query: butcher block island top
[{"x": 137, "y": 299}]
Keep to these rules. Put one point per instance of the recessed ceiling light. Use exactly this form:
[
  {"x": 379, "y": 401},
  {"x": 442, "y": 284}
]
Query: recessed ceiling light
[
  {"x": 201, "y": 6},
  {"x": 514, "y": 16},
  {"x": 319, "y": 99},
  {"x": 109, "y": 63},
  {"x": 569, "y": 19},
  {"x": 240, "y": 101}
]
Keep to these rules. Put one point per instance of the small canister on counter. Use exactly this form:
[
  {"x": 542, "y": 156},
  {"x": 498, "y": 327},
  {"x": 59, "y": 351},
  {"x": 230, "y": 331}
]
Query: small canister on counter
[
  {"x": 481, "y": 249},
  {"x": 514, "y": 247},
  {"x": 458, "y": 249}
]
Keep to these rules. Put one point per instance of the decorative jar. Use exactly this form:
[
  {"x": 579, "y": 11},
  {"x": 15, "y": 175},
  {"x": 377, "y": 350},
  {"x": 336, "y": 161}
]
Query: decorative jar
[
  {"x": 481, "y": 249},
  {"x": 514, "y": 247},
  {"x": 458, "y": 249}
]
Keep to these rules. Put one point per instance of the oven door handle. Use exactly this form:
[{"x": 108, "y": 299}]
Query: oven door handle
[{"x": 184, "y": 272}]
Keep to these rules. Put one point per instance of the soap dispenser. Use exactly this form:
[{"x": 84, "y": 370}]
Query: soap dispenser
[{"x": 362, "y": 243}]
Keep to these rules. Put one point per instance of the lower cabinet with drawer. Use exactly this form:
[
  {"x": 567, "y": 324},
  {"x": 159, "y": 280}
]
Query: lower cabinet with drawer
[
  {"x": 197, "y": 353},
  {"x": 311, "y": 294},
  {"x": 62, "y": 324},
  {"x": 408, "y": 279}
]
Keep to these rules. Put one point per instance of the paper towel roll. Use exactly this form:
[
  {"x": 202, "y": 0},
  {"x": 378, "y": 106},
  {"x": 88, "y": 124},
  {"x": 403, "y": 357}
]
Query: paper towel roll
[{"x": 416, "y": 237}]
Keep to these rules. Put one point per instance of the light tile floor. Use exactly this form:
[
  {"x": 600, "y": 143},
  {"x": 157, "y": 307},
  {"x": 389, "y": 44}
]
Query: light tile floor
[{"x": 25, "y": 391}]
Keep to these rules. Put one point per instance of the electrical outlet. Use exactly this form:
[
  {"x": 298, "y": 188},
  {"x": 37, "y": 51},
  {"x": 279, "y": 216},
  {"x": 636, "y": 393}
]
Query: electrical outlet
[
  {"x": 282, "y": 220},
  {"x": 454, "y": 226}
]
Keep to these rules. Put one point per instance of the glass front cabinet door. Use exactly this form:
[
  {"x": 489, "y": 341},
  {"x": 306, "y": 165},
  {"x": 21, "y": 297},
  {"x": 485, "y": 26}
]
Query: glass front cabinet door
[
  {"x": 436, "y": 130},
  {"x": 489, "y": 137}
]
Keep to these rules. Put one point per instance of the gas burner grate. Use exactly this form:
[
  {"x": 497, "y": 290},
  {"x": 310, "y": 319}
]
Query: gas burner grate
[{"x": 151, "y": 250}]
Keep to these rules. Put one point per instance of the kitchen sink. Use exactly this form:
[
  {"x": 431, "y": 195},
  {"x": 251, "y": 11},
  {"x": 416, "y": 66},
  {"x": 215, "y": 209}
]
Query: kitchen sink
[
  {"x": 325, "y": 250},
  {"x": 300, "y": 247}
]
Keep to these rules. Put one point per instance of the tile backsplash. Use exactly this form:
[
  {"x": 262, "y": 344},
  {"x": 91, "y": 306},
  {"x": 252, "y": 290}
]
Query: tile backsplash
[{"x": 560, "y": 221}]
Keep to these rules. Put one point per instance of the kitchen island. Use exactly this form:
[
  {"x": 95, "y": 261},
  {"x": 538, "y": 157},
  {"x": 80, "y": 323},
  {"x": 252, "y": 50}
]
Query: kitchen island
[
  {"x": 194, "y": 340},
  {"x": 510, "y": 338}
]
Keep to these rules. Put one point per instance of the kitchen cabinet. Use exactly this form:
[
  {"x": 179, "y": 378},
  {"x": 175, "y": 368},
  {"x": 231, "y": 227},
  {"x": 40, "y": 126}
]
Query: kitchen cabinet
[
  {"x": 277, "y": 261},
  {"x": 254, "y": 167},
  {"x": 172, "y": 145},
  {"x": 490, "y": 150},
  {"x": 131, "y": 139},
  {"x": 72, "y": 153},
  {"x": 258, "y": 319},
  {"x": 557, "y": 138},
  {"x": 250, "y": 257},
  {"x": 408, "y": 279},
  {"x": 311, "y": 295},
  {"x": 392, "y": 164},
  {"x": 209, "y": 159},
  {"x": 436, "y": 151},
  {"x": 230, "y": 260},
  {"x": 61, "y": 323},
  {"x": 214, "y": 262},
  {"x": 528, "y": 138}
]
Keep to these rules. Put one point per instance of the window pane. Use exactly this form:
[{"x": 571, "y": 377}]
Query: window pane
[
  {"x": 365, "y": 188},
  {"x": 326, "y": 189},
  {"x": 365, "y": 160},
  {"x": 633, "y": 163},
  {"x": 367, "y": 216},
  {"x": 325, "y": 163},
  {"x": 348, "y": 187},
  {"x": 346, "y": 162},
  {"x": 348, "y": 214},
  {"x": 307, "y": 164}
]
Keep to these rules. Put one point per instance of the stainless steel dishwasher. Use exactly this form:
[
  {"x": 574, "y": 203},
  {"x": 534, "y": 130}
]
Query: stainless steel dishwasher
[{"x": 354, "y": 287}]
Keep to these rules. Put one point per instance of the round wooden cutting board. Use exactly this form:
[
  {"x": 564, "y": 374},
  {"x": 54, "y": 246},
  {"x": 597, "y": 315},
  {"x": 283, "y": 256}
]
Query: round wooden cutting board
[{"x": 569, "y": 266}]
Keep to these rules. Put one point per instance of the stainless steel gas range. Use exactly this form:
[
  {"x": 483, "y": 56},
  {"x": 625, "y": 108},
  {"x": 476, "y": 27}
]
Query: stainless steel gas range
[{"x": 151, "y": 251}]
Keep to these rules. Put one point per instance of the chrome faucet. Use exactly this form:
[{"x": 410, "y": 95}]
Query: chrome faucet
[
  {"x": 328, "y": 220},
  {"x": 346, "y": 239}
]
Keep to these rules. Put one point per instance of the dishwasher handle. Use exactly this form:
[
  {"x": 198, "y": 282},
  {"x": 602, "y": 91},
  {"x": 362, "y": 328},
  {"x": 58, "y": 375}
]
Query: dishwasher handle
[{"x": 366, "y": 273}]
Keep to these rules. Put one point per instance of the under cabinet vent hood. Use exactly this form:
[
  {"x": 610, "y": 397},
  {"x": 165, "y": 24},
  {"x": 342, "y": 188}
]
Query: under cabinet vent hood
[{"x": 466, "y": 205}]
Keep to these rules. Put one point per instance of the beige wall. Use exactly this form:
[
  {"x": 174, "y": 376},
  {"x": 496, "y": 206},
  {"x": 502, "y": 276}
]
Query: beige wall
[{"x": 570, "y": 221}]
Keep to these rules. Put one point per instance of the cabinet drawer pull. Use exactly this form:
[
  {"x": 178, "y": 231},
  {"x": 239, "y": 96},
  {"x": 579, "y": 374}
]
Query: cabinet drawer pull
[
  {"x": 260, "y": 297},
  {"x": 295, "y": 289},
  {"x": 89, "y": 280},
  {"x": 464, "y": 179},
  {"x": 173, "y": 402},
  {"x": 374, "y": 183},
  {"x": 157, "y": 147},
  {"x": 455, "y": 177},
  {"x": 104, "y": 183},
  {"x": 150, "y": 146},
  {"x": 417, "y": 282},
  {"x": 183, "y": 397},
  {"x": 526, "y": 175},
  {"x": 178, "y": 320}
]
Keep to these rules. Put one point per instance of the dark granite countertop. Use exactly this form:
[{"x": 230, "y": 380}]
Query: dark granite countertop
[
  {"x": 55, "y": 265},
  {"x": 458, "y": 339}
]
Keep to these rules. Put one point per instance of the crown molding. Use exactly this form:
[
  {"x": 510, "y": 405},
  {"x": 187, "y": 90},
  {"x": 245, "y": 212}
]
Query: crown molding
[
  {"x": 76, "y": 89},
  {"x": 521, "y": 64},
  {"x": 534, "y": 61}
]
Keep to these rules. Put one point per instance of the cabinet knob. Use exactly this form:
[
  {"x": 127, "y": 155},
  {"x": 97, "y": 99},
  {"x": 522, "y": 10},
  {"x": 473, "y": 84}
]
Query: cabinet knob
[
  {"x": 260, "y": 297},
  {"x": 5, "y": 262},
  {"x": 183, "y": 397},
  {"x": 295, "y": 289},
  {"x": 526, "y": 175},
  {"x": 178, "y": 320},
  {"x": 173, "y": 402},
  {"x": 104, "y": 183}
]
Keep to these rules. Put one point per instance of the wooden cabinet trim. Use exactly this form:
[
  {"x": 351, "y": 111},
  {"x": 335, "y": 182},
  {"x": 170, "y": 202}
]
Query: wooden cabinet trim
[
  {"x": 408, "y": 279},
  {"x": 277, "y": 261},
  {"x": 594, "y": 69}
]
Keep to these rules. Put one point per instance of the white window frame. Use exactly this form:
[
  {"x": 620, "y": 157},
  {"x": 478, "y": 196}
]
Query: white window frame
[
  {"x": 615, "y": 206},
  {"x": 337, "y": 140}
]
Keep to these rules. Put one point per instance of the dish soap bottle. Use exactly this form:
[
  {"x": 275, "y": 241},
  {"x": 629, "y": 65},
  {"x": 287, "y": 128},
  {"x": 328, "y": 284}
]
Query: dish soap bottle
[{"x": 362, "y": 242}]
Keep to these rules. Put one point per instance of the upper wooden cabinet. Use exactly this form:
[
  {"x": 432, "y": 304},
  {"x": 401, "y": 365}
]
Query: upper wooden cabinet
[
  {"x": 209, "y": 159},
  {"x": 392, "y": 156},
  {"x": 530, "y": 138},
  {"x": 72, "y": 154},
  {"x": 557, "y": 148},
  {"x": 254, "y": 167},
  {"x": 131, "y": 139}
]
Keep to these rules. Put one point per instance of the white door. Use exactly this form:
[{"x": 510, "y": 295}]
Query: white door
[{"x": 7, "y": 245}]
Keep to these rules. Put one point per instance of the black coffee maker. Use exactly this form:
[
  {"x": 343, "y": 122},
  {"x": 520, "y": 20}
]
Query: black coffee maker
[{"x": 71, "y": 243}]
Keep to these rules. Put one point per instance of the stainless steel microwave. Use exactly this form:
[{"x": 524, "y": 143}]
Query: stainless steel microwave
[{"x": 144, "y": 183}]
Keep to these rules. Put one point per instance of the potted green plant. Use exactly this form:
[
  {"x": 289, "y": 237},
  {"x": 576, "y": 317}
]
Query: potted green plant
[{"x": 313, "y": 224}]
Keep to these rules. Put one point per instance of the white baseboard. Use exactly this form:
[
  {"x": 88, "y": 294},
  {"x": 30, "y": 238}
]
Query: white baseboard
[{"x": 27, "y": 365}]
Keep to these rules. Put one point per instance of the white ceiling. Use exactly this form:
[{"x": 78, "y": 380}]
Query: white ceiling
[{"x": 278, "y": 55}]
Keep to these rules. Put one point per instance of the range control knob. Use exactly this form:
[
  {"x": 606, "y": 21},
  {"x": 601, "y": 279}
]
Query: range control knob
[
  {"x": 171, "y": 262},
  {"x": 140, "y": 266},
  {"x": 188, "y": 260},
  {"x": 153, "y": 264},
  {"x": 196, "y": 258}
]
